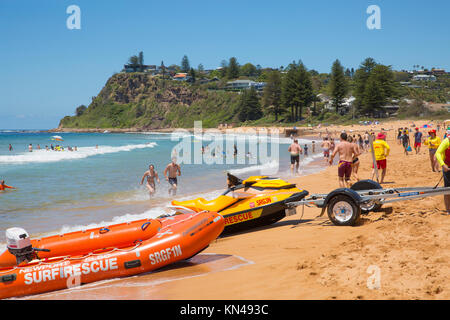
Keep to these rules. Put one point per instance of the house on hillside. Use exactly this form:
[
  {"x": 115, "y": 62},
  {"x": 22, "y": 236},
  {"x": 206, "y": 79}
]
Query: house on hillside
[
  {"x": 438, "y": 72},
  {"x": 181, "y": 77},
  {"x": 245, "y": 84},
  {"x": 424, "y": 77}
]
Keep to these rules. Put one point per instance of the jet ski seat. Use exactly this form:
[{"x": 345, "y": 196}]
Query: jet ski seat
[{"x": 215, "y": 205}]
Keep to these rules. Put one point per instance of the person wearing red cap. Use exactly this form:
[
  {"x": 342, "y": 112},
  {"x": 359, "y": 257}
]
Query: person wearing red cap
[
  {"x": 433, "y": 142},
  {"x": 381, "y": 150},
  {"x": 417, "y": 140}
]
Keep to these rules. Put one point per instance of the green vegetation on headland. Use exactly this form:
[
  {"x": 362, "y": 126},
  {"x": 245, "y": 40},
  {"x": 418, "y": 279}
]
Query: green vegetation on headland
[{"x": 144, "y": 98}]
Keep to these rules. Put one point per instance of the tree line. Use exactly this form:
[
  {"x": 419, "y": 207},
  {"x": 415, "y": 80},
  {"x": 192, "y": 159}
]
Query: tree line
[{"x": 291, "y": 90}]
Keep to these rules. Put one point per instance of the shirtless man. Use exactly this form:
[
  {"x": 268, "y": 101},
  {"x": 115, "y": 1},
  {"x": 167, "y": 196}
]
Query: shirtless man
[
  {"x": 347, "y": 152},
  {"x": 150, "y": 174},
  {"x": 174, "y": 170},
  {"x": 326, "y": 148},
  {"x": 295, "y": 151}
]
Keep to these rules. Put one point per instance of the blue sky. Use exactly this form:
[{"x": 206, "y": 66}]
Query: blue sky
[{"x": 48, "y": 70}]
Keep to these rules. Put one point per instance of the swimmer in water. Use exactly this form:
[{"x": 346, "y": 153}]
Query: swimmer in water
[
  {"x": 3, "y": 186},
  {"x": 295, "y": 151}
]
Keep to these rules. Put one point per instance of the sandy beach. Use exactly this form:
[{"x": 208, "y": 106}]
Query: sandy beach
[
  {"x": 309, "y": 258},
  {"x": 306, "y": 257}
]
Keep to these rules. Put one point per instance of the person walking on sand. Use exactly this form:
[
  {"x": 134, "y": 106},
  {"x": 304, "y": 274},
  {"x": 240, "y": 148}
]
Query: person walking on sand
[
  {"x": 433, "y": 142},
  {"x": 151, "y": 175},
  {"x": 3, "y": 186},
  {"x": 381, "y": 150},
  {"x": 170, "y": 173},
  {"x": 295, "y": 151},
  {"x": 405, "y": 141},
  {"x": 417, "y": 140},
  {"x": 443, "y": 158},
  {"x": 355, "y": 162},
  {"x": 313, "y": 147},
  {"x": 347, "y": 152},
  {"x": 326, "y": 148}
]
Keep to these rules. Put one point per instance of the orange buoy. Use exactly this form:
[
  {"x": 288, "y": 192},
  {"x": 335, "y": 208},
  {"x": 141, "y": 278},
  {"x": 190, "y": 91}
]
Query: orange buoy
[{"x": 168, "y": 240}]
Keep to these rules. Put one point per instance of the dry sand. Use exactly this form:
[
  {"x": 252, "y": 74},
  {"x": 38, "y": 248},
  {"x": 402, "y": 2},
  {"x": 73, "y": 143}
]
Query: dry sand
[{"x": 309, "y": 258}]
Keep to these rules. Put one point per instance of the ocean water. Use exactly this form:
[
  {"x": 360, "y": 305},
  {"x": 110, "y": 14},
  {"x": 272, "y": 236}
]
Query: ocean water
[{"x": 62, "y": 191}]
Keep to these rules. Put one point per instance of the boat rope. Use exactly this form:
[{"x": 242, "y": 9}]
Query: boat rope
[{"x": 69, "y": 258}]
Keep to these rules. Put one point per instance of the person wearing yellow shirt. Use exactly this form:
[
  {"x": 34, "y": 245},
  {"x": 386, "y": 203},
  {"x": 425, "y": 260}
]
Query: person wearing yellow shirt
[
  {"x": 381, "y": 150},
  {"x": 443, "y": 157},
  {"x": 433, "y": 142}
]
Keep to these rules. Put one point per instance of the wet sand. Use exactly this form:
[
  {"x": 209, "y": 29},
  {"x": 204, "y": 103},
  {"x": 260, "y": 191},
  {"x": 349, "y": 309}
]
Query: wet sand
[{"x": 309, "y": 258}]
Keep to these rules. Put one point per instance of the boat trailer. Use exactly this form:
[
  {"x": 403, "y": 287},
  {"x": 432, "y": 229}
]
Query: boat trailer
[{"x": 345, "y": 205}]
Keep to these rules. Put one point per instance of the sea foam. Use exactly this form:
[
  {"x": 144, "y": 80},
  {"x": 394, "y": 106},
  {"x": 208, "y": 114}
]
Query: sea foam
[{"x": 43, "y": 155}]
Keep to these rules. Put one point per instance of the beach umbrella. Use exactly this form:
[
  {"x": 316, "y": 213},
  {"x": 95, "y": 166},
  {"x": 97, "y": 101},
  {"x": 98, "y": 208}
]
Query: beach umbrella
[{"x": 57, "y": 138}]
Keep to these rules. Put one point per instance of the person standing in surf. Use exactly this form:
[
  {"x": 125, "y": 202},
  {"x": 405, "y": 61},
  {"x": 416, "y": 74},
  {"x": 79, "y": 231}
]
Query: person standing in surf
[
  {"x": 170, "y": 173},
  {"x": 295, "y": 151},
  {"x": 151, "y": 175}
]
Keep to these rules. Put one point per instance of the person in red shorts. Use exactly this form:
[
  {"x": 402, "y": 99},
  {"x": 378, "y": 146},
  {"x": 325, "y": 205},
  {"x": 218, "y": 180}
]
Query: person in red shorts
[
  {"x": 417, "y": 140},
  {"x": 381, "y": 150},
  {"x": 347, "y": 152}
]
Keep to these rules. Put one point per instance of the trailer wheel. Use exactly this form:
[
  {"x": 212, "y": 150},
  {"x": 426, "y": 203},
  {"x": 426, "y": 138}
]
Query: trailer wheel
[
  {"x": 343, "y": 210},
  {"x": 371, "y": 205}
]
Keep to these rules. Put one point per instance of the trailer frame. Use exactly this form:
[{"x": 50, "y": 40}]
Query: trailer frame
[{"x": 345, "y": 205}]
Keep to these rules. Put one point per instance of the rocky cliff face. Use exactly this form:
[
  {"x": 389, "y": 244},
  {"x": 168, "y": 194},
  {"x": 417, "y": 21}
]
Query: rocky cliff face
[
  {"x": 140, "y": 100},
  {"x": 133, "y": 88}
]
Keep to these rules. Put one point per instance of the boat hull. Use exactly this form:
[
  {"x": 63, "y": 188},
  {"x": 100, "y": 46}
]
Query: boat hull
[{"x": 179, "y": 238}]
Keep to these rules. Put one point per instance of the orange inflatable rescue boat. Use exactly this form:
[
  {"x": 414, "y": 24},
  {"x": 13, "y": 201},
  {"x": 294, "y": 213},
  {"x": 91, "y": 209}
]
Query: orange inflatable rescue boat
[{"x": 73, "y": 259}]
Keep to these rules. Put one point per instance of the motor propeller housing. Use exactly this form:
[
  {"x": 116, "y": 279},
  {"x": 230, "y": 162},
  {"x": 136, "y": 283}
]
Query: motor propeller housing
[{"x": 19, "y": 244}]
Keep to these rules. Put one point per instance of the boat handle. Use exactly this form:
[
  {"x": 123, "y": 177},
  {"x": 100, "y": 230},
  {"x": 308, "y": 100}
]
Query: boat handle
[
  {"x": 145, "y": 225},
  {"x": 103, "y": 230}
]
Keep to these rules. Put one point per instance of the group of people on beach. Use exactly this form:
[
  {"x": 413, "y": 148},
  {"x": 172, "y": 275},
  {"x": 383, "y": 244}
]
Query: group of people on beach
[
  {"x": 349, "y": 150},
  {"x": 53, "y": 148},
  {"x": 171, "y": 172}
]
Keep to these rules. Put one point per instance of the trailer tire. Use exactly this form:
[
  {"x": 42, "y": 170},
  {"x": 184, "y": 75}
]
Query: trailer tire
[
  {"x": 343, "y": 210},
  {"x": 368, "y": 185}
]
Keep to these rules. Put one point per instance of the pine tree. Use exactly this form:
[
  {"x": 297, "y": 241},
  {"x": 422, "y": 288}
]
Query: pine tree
[
  {"x": 185, "y": 66},
  {"x": 233, "y": 68},
  {"x": 192, "y": 74},
  {"x": 289, "y": 89},
  {"x": 297, "y": 91},
  {"x": 141, "y": 61},
  {"x": 339, "y": 86},
  {"x": 272, "y": 94},
  {"x": 249, "y": 106},
  {"x": 361, "y": 76}
]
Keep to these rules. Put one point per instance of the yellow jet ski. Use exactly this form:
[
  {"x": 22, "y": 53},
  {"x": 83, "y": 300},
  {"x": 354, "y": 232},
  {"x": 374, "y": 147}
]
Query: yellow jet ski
[{"x": 255, "y": 201}]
